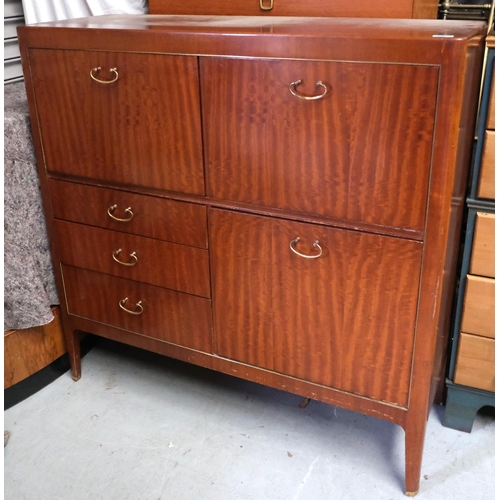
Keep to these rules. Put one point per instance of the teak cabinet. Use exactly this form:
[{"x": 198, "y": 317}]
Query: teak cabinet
[{"x": 278, "y": 199}]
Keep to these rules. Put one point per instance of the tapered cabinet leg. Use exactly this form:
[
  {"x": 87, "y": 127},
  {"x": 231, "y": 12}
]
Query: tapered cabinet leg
[
  {"x": 73, "y": 344},
  {"x": 414, "y": 448}
]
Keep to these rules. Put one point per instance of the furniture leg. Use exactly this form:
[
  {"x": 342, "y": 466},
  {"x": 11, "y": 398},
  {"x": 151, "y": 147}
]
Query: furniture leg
[
  {"x": 73, "y": 344},
  {"x": 414, "y": 447}
]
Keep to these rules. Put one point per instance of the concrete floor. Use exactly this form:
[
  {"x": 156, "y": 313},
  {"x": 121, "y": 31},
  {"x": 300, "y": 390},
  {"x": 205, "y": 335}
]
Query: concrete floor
[{"x": 141, "y": 427}]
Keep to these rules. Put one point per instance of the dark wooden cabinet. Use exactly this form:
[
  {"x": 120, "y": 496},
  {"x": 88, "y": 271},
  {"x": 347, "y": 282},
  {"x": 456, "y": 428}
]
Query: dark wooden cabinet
[{"x": 278, "y": 199}]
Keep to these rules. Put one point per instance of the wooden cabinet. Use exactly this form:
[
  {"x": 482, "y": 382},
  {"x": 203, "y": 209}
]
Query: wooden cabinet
[{"x": 277, "y": 200}]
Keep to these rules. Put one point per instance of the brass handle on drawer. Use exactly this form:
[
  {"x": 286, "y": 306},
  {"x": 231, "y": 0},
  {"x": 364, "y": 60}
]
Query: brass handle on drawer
[
  {"x": 111, "y": 70},
  {"x": 293, "y": 90},
  {"x": 270, "y": 7},
  {"x": 133, "y": 255},
  {"x": 128, "y": 210},
  {"x": 315, "y": 245},
  {"x": 137, "y": 305}
]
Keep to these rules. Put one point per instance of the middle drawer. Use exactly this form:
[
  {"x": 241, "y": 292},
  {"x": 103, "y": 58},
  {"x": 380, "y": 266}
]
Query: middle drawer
[{"x": 156, "y": 262}]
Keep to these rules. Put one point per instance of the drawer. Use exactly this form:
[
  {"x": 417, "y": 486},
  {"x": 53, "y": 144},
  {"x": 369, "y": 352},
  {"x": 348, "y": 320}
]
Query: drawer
[
  {"x": 159, "y": 218},
  {"x": 483, "y": 246},
  {"x": 326, "y": 156},
  {"x": 486, "y": 187},
  {"x": 479, "y": 306},
  {"x": 129, "y": 129},
  {"x": 295, "y": 8},
  {"x": 490, "y": 121},
  {"x": 476, "y": 362},
  {"x": 163, "y": 314},
  {"x": 137, "y": 258}
]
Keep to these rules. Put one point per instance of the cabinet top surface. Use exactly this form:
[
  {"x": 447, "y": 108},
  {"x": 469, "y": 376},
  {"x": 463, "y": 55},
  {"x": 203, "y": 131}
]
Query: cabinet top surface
[{"x": 407, "y": 29}]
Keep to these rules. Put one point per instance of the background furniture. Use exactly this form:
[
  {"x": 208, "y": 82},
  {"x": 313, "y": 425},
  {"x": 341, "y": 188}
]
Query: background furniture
[
  {"x": 276, "y": 199},
  {"x": 426, "y": 9},
  {"x": 472, "y": 368}
]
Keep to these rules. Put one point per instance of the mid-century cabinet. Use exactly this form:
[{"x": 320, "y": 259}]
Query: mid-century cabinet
[{"x": 278, "y": 199}]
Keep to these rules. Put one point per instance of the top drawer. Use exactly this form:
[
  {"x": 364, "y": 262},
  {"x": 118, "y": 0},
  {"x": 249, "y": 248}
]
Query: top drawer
[
  {"x": 135, "y": 121},
  {"x": 350, "y": 141}
]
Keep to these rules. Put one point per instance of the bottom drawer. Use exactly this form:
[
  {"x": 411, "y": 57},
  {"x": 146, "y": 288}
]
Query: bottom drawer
[
  {"x": 153, "y": 311},
  {"x": 476, "y": 362}
]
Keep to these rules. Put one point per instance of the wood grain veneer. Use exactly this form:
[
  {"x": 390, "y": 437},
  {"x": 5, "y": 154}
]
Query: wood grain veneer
[
  {"x": 177, "y": 267},
  {"x": 380, "y": 165},
  {"x": 96, "y": 296},
  {"x": 158, "y": 218},
  {"x": 129, "y": 131},
  {"x": 360, "y": 346},
  {"x": 351, "y": 155}
]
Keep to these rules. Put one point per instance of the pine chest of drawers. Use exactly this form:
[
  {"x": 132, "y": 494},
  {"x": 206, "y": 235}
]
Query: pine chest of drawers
[{"x": 278, "y": 199}]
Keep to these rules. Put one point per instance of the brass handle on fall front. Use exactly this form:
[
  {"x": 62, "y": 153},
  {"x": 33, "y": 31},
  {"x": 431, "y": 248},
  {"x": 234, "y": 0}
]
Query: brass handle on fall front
[
  {"x": 96, "y": 70},
  {"x": 315, "y": 245},
  {"x": 269, "y": 7},
  {"x": 138, "y": 305},
  {"x": 128, "y": 210},
  {"x": 293, "y": 90},
  {"x": 133, "y": 255}
]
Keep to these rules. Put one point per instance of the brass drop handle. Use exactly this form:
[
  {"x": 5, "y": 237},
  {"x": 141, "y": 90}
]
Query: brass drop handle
[
  {"x": 133, "y": 255},
  {"x": 293, "y": 90},
  {"x": 105, "y": 82},
  {"x": 269, "y": 7},
  {"x": 315, "y": 245},
  {"x": 138, "y": 305},
  {"x": 128, "y": 210}
]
